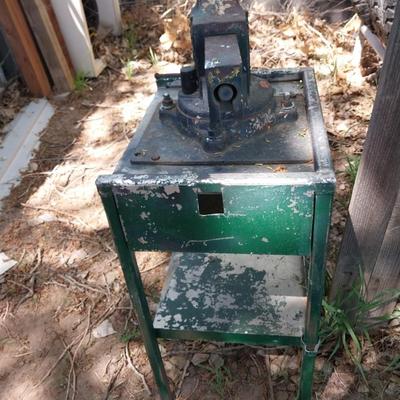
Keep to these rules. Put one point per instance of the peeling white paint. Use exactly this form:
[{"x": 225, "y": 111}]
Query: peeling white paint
[
  {"x": 309, "y": 193},
  {"x": 277, "y": 299},
  {"x": 263, "y": 179},
  {"x": 144, "y": 215},
  {"x": 171, "y": 189},
  {"x": 178, "y": 317}
]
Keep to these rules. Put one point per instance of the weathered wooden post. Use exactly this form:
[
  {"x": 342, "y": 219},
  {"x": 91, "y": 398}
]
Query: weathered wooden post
[{"x": 372, "y": 235}]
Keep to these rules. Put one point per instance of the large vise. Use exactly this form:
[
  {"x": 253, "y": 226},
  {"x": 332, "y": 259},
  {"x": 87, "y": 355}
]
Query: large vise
[{"x": 221, "y": 101}]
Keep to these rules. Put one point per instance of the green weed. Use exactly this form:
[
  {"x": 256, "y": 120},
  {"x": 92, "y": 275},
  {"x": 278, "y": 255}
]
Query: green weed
[
  {"x": 130, "y": 334},
  {"x": 394, "y": 365},
  {"x": 130, "y": 36},
  {"x": 221, "y": 377},
  {"x": 80, "y": 81},
  {"x": 347, "y": 321},
  {"x": 153, "y": 57},
  {"x": 353, "y": 163},
  {"x": 129, "y": 69}
]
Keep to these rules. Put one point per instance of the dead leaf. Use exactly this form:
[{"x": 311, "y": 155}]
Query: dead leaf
[{"x": 280, "y": 169}]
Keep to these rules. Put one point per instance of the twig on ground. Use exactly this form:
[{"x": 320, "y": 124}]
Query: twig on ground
[
  {"x": 135, "y": 370},
  {"x": 19, "y": 284},
  {"x": 27, "y": 353},
  {"x": 71, "y": 370},
  {"x": 130, "y": 312},
  {"x": 269, "y": 378},
  {"x": 115, "y": 70},
  {"x": 53, "y": 282},
  {"x": 95, "y": 254},
  {"x": 72, "y": 362},
  {"x": 31, "y": 290},
  {"x": 22, "y": 256},
  {"x": 73, "y": 281},
  {"x": 79, "y": 339},
  {"x": 189, "y": 396},
  {"x": 97, "y": 105},
  {"x": 179, "y": 388},
  {"x": 32, "y": 279},
  {"x": 222, "y": 350},
  {"x": 107, "y": 285},
  {"x": 311, "y": 29},
  {"x": 253, "y": 357},
  {"x": 61, "y": 356},
  {"x": 26, "y": 190},
  {"x": 111, "y": 384},
  {"x": 108, "y": 312},
  {"x": 156, "y": 265},
  {"x": 6, "y": 329},
  {"x": 269, "y": 14},
  {"x": 6, "y": 311},
  {"x": 54, "y": 210},
  {"x": 38, "y": 261}
]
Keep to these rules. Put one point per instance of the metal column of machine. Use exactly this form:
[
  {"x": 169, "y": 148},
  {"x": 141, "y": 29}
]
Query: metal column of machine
[{"x": 230, "y": 171}]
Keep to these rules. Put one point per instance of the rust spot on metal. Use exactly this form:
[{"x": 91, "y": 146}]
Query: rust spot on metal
[{"x": 264, "y": 84}]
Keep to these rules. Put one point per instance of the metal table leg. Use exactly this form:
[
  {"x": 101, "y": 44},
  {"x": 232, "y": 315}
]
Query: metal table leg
[
  {"x": 136, "y": 293},
  {"x": 316, "y": 284}
]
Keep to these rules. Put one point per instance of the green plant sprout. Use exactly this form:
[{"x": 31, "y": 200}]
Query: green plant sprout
[
  {"x": 129, "y": 69},
  {"x": 80, "y": 81},
  {"x": 153, "y": 57},
  {"x": 351, "y": 325},
  {"x": 222, "y": 376},
  {"x": 130, "y": 36},
  {"x": 353, "y": 163},
  {"x": 129, "y": 335},
  {"x": 394, "y": 365}
]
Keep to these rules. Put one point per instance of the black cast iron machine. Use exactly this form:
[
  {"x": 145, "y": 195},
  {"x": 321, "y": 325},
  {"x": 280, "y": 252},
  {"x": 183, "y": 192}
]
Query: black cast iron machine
[{"x": 230, "y": 171}]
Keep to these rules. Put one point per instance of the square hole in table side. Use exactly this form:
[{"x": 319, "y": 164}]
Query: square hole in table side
[{"x": 210, "y": 203}]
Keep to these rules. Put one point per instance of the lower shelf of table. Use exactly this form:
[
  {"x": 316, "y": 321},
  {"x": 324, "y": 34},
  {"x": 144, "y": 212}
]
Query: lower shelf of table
[{"x": 255, "y": 299}]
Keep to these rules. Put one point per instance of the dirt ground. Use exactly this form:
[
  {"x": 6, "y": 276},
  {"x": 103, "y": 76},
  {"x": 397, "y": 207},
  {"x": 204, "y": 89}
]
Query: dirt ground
[{"x": 68, "y": 281}]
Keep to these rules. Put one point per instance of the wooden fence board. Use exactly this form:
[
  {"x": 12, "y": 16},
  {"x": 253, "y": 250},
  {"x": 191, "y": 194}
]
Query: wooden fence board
[
  {"x": 49, "y": 45},
  {"x": 370, "y": 238},
  {"x": 386, "y": 274},
  {"x": 24, "y": 49}
]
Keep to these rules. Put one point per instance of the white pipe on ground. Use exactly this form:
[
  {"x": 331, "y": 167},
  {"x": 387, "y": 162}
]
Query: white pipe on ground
[{"x": 374, "y": 41}]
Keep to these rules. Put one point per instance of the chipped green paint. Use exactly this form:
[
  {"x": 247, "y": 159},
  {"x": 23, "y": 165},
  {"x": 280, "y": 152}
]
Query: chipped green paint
[
  {"x": 259, "y": 296},
  {"x": 256, "y": 219}
]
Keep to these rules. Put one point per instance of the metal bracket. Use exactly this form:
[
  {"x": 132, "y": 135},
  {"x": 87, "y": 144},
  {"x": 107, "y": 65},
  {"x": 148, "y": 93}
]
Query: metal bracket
[{"x": 313, "y": 352}]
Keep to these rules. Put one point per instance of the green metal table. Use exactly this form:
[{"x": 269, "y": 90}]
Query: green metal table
[{"x": 248, "y": 236}]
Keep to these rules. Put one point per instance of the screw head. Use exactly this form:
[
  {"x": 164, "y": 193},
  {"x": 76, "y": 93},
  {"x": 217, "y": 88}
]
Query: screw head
[
  {"x": 167, "y": 103},
  {"x": 286, "y": 100}
]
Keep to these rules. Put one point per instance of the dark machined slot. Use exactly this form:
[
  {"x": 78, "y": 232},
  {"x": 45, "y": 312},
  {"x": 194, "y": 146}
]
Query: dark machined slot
[{"x": 210, "y": 203}]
